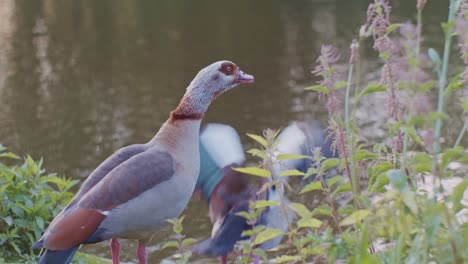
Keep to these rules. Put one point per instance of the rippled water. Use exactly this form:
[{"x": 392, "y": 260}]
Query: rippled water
[{"x": 80, "y": 79}]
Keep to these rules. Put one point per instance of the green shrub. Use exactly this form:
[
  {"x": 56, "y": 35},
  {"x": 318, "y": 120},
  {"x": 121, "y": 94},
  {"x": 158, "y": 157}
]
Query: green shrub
[{"x": 29, "y": 199}]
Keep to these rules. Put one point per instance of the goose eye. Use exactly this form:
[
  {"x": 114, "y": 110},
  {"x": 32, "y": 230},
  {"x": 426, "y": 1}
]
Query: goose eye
[{"x": 227, "y": 68}]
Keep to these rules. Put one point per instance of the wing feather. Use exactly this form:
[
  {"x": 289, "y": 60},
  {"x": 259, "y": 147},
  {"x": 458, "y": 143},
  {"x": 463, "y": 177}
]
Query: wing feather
[
  {"x": 109, "y": 164},
  {"x": 126, "y": 181}
]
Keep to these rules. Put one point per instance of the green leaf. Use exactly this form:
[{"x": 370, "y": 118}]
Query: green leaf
[
  {"x": 245, "y": 215},
  {"x": 346, "y": 210},
  {"x": 391, "y": 28},
  {"x": 31, "y": 238},
  {"x": 248, "y": 233},
  {"x": 56, "y": 180},
  {"x": 355, "y": 217},
  {"x": 422, "y": 162},
  {"x": 447, "y": 27},
  {"x": 380, "y": 148},
  {"x": 372, "y": 88},
  {"x": 364, "y": 155},
  {"x": 434, "y": 56},
  {"x": 316, "y": 185},
  {"x": 397, "y": 179},
  {"x": 428, "y": 86},
  {"x": 311, "y": 171},
  {"x": 255, "y": 171},
  {"x": 8, "y": 219},
  {"x": 363, "y": 255},
  {"x": 172, "y": 221},
  {"x": 9, "y": 155},
  {"x": 40, "y": 222},
  {"x": 464, "y": 104},
  {"x": 451, "y": 154},
  {"x": 257, "y": 152},
  {"x": 385, "y": 55},
  {"x": 291, "y": 173},
  {"x": 414, "y": 136},
  {"x": 286, "y": 258},
  {"x": 177, "y": 228},
  {"x": 455, "y": 84},
  {"x": 286, "y": 156},
  {"x": 333, "y": 181},
  {"x": 309, "y": 222},
  {"x": 409, "y": 198},
  {"x": 172, "y": 243},
  {"x": 300, "y": 209},
  {"x": 16, "y": 247},
  {"x": 339, "y": 85},
  {"x": 188, "y": 241},
  {"x": 457, "y": 195},
  {"x": 265, "y": 203},
  {"x": 346, "y": 187},
  {"x": 261, "y": 253},
  {"x": 318, "y": 88},
  {"x": 259, "y": 139},
  {"x": 267, "y": 234},
  {"x": 383, "y": 167},
  {"x": 259, "y": 228},
  {"x": 379, "y": 184},
  {"x": 328, "y": 164}
]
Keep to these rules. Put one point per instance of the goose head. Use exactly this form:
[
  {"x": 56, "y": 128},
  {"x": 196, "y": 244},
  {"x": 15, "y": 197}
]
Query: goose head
[
  {"x": 216, "y": 79},
  {"x": 210, "y": 82}
]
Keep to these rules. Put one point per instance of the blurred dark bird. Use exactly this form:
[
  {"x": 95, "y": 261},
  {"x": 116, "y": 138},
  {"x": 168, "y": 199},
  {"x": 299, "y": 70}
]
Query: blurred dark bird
[{"x": 229, "y": 192}]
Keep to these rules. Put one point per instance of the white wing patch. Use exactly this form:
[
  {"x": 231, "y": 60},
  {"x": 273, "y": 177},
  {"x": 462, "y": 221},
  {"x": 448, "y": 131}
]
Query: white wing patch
[
  {"x": 291, "y": 141},
  {"x": 223, "y": 144}
]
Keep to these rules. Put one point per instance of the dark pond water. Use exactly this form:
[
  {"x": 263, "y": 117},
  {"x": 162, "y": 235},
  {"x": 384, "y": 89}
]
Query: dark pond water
[{"x": 80, "y": 79}]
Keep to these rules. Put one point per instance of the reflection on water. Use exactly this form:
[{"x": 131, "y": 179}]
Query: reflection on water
[{"x": 79, "y": 79}]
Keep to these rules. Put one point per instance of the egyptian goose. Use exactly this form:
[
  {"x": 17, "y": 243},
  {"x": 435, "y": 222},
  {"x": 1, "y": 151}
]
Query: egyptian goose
[
  {"x": 134, "y": 191},
  {"x": 229, "y": 192}
]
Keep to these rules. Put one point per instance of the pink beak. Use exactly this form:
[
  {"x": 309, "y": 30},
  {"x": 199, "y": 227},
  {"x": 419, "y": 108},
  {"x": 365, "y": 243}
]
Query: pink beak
[{"x": 244, "y": 77}]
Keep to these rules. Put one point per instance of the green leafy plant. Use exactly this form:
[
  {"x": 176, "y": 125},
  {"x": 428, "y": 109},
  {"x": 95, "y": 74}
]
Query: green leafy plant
[
  {"x": 29, "y": 198},
  {"x": 408, "y": 212},
  {"x": 179, "y": 241}
]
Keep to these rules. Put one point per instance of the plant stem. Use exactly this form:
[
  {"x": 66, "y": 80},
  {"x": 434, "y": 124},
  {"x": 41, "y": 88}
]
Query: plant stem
[
  {"x": 416, "y": 56},
  {"x": 283, "y": 207},
  {"x": 419, "y": 31},
  {"x": 357, "y": 77},
  {"x": 341, "y": 140},
  {"x": 280, "y": 187},
  {"x": 405, "y": 152},
  {"x": 335, "y": 214},
  {"x": 349, "y": 133},
  {"x": 443, "y": 79},
  {"x": 462, "y": 133}
]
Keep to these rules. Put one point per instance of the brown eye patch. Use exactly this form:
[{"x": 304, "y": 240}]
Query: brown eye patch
[{"x": 227, "y": 68}]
